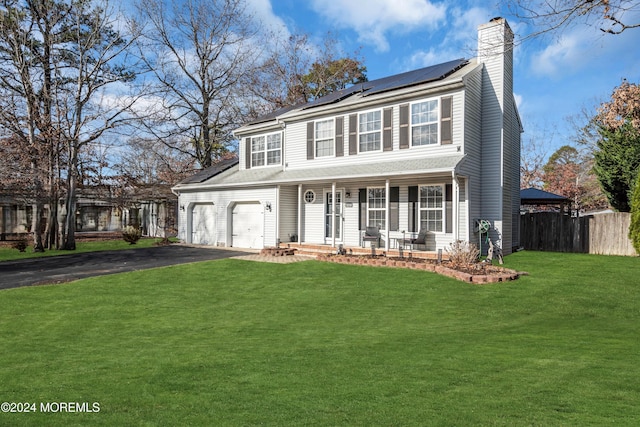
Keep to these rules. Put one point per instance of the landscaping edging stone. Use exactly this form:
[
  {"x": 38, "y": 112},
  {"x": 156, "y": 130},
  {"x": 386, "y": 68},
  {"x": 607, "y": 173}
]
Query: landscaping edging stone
[{"x": 497, "y": 274}]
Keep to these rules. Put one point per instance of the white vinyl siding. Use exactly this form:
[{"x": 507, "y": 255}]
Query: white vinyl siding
[
  {"x": 370, "y": 131},
  {"x": 424, "y": 123}
]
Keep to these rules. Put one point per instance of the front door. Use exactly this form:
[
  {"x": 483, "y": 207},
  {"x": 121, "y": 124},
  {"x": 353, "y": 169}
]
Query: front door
[{"x": 337, "y": 215}]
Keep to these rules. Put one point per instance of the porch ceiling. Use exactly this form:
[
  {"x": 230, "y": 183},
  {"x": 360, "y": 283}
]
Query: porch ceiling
[{"x": 382, "y": 170}]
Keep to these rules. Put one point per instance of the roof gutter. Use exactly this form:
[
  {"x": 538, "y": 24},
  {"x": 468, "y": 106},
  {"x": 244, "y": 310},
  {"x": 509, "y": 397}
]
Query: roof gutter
[{"x": 441, "y": 171}]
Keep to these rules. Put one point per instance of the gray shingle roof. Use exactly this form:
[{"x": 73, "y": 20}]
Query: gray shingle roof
[{"x": 275, "y": 175}]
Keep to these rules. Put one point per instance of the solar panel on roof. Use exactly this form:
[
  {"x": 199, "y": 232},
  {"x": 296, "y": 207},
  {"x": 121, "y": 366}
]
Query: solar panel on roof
[
  {"x": 410, "y": 78},
  {"x": 335, "y": 96},
  {"x": 211, "y": 171}
]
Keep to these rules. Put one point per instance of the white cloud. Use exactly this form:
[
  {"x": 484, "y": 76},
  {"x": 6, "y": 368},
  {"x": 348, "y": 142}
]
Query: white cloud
[
  {"x": 518, "y": 98},
  {"x": 262, "y": 10},
  {"x": 373, "y": 19},
  {"x": 566, "y": 53}
]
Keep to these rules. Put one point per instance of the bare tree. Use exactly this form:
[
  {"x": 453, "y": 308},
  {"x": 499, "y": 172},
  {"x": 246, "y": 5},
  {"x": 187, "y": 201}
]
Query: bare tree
[
  {"x": 610, "y": 16},
  {"x": 28, "y": 32},
  {"x": 536, "y": 148},
  {"x": 297, "y": 71},
  {"x": 95, "y": 60},
  {"x": 199, "y": 53}
]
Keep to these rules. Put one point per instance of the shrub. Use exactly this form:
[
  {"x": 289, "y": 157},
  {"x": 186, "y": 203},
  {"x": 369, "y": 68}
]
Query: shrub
[
  {"x": 20, "y": 245},
  {"x": 463, "y": 253},
  {"x": 634, "y": 228},
  {"x": 131, "y": 234}
]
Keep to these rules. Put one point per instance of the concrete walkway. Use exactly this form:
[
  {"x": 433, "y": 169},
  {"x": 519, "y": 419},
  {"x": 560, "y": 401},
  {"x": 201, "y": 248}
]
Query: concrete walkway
[{"x": 276, "y": 259}]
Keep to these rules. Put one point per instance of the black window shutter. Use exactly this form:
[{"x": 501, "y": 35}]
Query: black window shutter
[
  {"x": 362, "y": 201},
  {"x": 247, "y": 151},
  {"x": 394, "y": 207},
  {"x": 404, "y": 126},
  {"x": 339, "y": 136},
  {"x": 446, "y": 129},
  {"x": 413, "y": 205},
  {"x": 310, "y": 132},
  {"x": 387, "y": 135},
  {"x": 353, "y": 134}
]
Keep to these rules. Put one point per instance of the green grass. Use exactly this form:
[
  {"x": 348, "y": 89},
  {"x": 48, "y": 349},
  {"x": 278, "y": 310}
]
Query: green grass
[
  {"x": 235, "y": 342},
  {"x": 10, "y": 254}
]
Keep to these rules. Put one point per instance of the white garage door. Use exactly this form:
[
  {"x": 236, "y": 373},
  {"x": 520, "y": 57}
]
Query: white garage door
[
  {"x": 247, "y": 227},
  {"x": 203, "y": 225}
]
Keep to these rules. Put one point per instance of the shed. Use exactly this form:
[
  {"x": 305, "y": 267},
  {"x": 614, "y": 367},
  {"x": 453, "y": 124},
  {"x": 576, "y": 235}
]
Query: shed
[{"x": 537, "y": 197}]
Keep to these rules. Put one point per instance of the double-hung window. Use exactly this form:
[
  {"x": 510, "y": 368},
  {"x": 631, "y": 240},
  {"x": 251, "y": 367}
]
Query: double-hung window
[
  {"x": 324, "y": 138},
  {"x": 424, "y": 123},
  {"x": 266, "y": 150},
  {"x": 257, "y": 151},
  {"x": 432, "y": 208},
  {"x": 376, "y": 205},
  {"x": 370, "y": 131},
  {"x": 274, "y": 145}
]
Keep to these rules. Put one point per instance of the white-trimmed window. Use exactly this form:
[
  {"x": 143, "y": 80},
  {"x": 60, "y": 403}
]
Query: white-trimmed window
[
  {"x": 257, "y": 151},
  {"x": 309, "y": 196},
  {"x": 324, "y": 135},
  {"x": 376, "y": 205},
  {"x": 266, "y": 150},
  {"x": 424, "y": 123},
  {"x": 370, "y": 131},
  {"x": 432, "y": 207}
]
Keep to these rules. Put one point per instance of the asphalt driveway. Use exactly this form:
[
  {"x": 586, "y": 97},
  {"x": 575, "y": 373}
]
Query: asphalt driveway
[{"x": 64, "y": 268}]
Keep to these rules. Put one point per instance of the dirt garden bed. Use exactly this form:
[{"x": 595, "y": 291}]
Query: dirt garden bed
[{"x": 475, "y": 273}]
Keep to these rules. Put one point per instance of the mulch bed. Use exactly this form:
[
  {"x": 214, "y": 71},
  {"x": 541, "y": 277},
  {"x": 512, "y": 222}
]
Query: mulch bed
[{"x": 479, "y": 273}]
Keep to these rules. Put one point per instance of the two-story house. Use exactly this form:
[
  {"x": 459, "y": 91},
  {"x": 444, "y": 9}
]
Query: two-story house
[{"x": 435, "y": 149}]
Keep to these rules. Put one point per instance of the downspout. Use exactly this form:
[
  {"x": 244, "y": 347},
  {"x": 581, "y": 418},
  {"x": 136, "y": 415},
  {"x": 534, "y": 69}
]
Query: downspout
[
  {"x": 278, "y": 215},
  {"x": 283, "y": 126}
]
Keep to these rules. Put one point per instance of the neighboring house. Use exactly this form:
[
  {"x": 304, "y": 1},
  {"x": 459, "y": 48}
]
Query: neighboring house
[
  {"x": 156, "y": 216},
  {"x": 435, "y": 149}
]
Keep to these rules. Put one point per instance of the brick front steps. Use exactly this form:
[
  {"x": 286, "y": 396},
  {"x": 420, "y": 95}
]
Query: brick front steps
[
  {"x": 278, "y": 251},
  {"x": 484, "y": 273}
]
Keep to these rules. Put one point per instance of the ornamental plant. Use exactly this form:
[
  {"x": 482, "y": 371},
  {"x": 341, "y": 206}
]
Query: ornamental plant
[
  {"x": 131, "y": 234},
  {"x": 634, "y": 227},
  {"x": 463, "y": 253}
]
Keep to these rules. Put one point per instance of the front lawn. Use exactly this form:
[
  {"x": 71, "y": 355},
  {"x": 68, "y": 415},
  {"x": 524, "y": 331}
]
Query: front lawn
[{"x": 236, "y": 342}]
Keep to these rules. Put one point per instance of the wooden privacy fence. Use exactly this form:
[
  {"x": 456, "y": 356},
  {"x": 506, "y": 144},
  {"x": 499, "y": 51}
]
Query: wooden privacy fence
[{"x": 605, "y": 234}]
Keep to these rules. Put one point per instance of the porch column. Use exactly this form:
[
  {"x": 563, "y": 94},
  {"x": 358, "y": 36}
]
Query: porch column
[
  {"x": 333, "y": 214},
  {"x": 277, "y": 215},
  {"x": 387, "y": 207},
  {"x": 454, "y": 205},
  {"x": 299, "y": 213}
]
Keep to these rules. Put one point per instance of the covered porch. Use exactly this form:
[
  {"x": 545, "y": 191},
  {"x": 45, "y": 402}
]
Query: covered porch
[{"x": 408, "y": 212}]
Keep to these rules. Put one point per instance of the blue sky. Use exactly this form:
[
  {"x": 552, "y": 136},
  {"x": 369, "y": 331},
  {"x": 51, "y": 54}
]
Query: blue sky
[{"x": 554, "y": 77}]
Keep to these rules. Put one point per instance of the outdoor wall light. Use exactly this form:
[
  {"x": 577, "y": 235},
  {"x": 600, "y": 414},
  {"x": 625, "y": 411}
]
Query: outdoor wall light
[
  {"x": 268, "y": 206},
  {"x": 348, "y": 194},
  {"x": 182, "y": 207}
]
